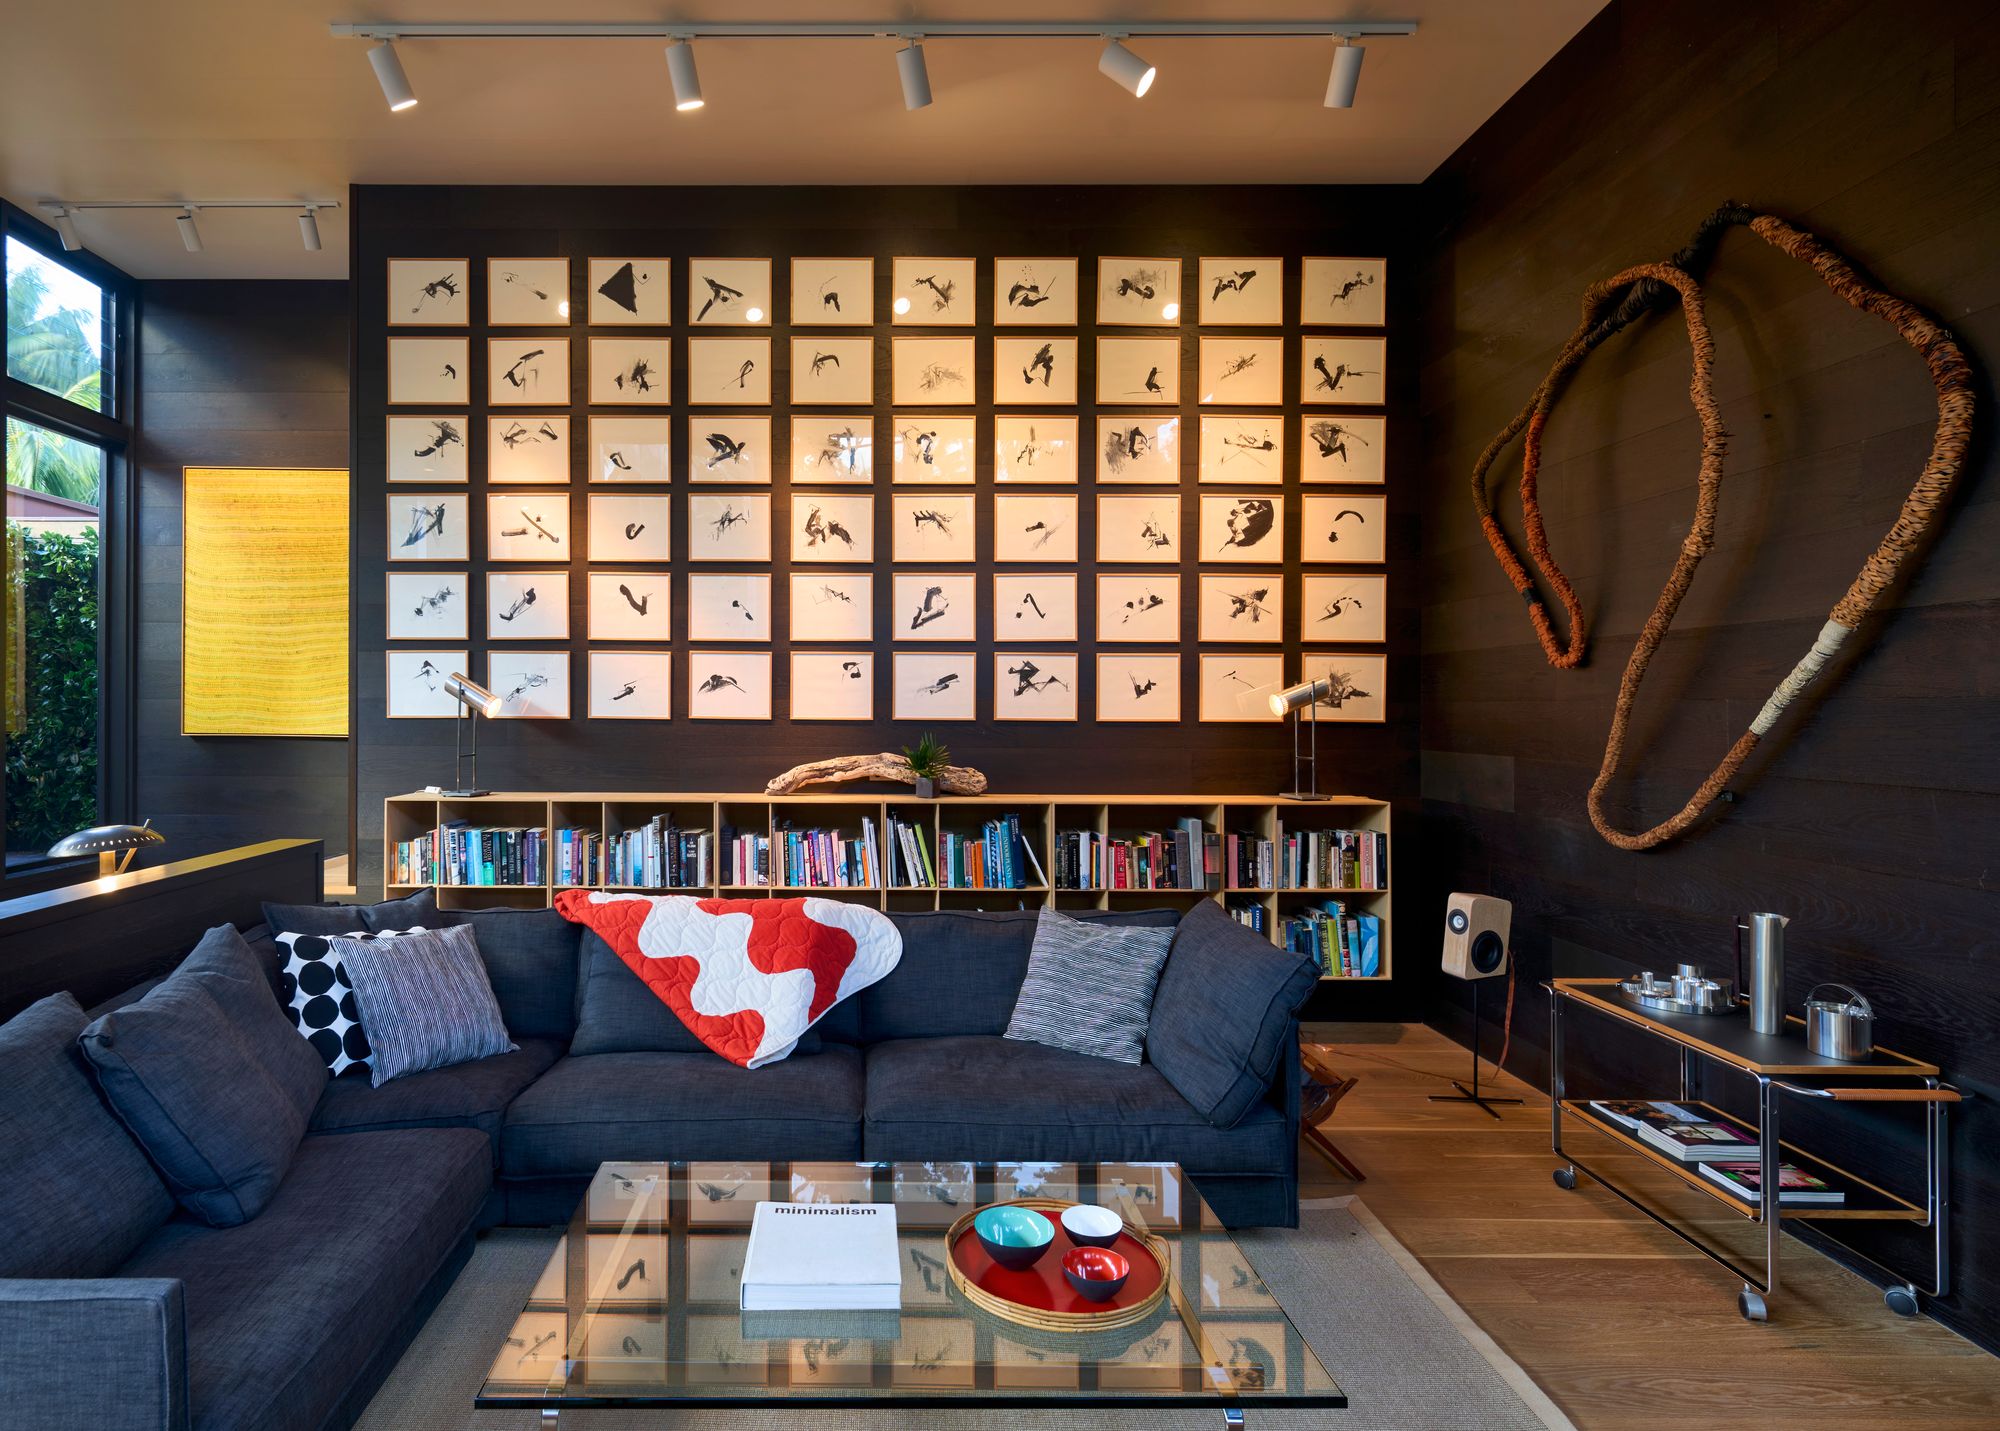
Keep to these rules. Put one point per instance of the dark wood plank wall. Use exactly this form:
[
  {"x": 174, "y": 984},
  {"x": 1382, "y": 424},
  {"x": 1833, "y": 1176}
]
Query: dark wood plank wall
[
  {"x": 229, "y": 374},
  {"x": 1872, "y": 818}
]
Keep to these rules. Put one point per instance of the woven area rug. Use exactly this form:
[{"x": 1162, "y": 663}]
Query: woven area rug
[{"x": 1406, "y": 1354}]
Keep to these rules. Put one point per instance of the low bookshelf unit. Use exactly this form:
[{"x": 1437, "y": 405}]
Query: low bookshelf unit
[{"x": 1313, "y": 873}]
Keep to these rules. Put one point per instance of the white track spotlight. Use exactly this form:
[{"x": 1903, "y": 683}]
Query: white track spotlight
[
  {"x": 66, "y": 230},
  {"x": 1347, "y": 57},
  {"x": 1126, "y": 68},
  {"x": 680, "y": 69},
  {"x": 190, "y": 235},
  {"x": 915, "y": 76},
  {"x": 309, "y": 230},
  {"x": 389, "y": 74}
]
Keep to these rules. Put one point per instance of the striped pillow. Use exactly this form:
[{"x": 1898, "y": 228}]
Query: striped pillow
[
  {"x": 425, "y": 999},
  {"x": 1089, "y": 987}
]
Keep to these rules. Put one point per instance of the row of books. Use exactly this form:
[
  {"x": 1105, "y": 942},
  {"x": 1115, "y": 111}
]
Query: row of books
[
  {"x": 1184, "y": 856},
  {"x": 579, "y": 856},
  {"x": 1333, "y": 859},
  {"x": 998, "y": 857},
  {"x": 1346, "y": 946},
  {"x": 824, "y": 859},
  {"x": 1722, "y": 1152},
  {"x": 460, "y": 852},
  {"x": 1248, "y": 914},
  {"x": 661, "y": 855}
]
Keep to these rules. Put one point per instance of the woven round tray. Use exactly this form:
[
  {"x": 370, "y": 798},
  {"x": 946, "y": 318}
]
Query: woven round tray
[{"x": 987, "y": 1286}]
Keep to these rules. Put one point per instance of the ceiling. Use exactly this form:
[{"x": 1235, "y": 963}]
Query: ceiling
[{"x": 253, "y": 99}]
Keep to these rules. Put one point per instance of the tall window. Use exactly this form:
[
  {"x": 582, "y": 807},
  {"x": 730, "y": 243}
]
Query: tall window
[{"x": 67, "y": 431}]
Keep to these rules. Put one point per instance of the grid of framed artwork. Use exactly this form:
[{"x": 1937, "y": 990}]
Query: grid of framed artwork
[{"x": 1152, "y": 471}]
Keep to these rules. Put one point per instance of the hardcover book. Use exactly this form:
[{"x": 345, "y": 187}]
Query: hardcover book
[
  {"x": 822, "y": 1257},
  {"x": 1796, "y": 1187}
]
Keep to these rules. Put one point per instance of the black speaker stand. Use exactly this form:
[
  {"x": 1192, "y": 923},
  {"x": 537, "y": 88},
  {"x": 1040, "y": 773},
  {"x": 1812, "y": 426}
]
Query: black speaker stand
[{"x": 1472, "y": 1094}]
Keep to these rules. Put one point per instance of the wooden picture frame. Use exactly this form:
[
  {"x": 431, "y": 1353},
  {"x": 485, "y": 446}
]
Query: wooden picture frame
[
  {"x": 833, "y": 292},
  {"x": 933, "y": 292},
  {"x": 643, "y": 677},
  {"x": 432, "y": 447},
  {"x": 1034, "y": 527},
  {"x": 933, "y": 449},
  {"x": 527, "y": 292},
  {"x": 527, "y": 605},
  {"x": 1246, "y": 528},
  {"x": 626, "y": 451},
  {"x": 1035, "y": 607},
  {"x": 733, "y": 607},
  {"x": 527, "y": 372},
  {"x": 934, "y": 606},
  {"x": 1138, "y": 292},
  {"x": 729, "y": 449},
  {"x": 425, "y": 605},
  {"x": 427, "y": 293},
  {"x": 413, "y": 683},
  {"x": 1361, "y": 678},
  {"x": 729, "y": 293},
  {"x": 1343, "y": 370},
  {"x": 527, "y": 525},
  {"x": 729, "y": 685},
  {"x": 729, "y": 372},
  {"x": 1240, "y": 608},
  {"x": 1344, "y": 608},
  {"x": 528, "y": 450},
  {"x": 729, "y": 526},
  {"x": 1240, "y": 292},
  {"x": 833, "y": 527},
  {"x": 1138, "y": 608},
  {"x": 1235, "y": 687},
  {"x": 1243, "y": 448},
  {"x": 1138, "y": 449},
  {"x": 832, "y": 606},
  {"x": 629, "y": 292},
  {"x": 432, "y": 526},
  {"x": 628, "y": 527},
  {"x": 833, "y": 448},
  {"x": 1035, "y": 686},
  {"x": 629, "y": 605},
  {"x": 630, "y": 371},
  {"x": 1038, "y": 449},
  {"x": 1036, "y": 293},
  {"x": 1350, "y": 528},
  {"x": 1145, "y": 529},
  {"x": 1036, "y": 370},
  {"x": 1240, "y": 371},
  {"x": 508, "y": 673},
  {"x": 933, "y": 527},
  {"x": 932, "y": 372},
  {"x": 429, "y": 372},
  {"x": 1343, "y": 292},
  {"x": 1139, "y": 372},
  {"x": 1343, "y": 448},
  {"x": 832, "y": 371},
  {"x": 832, "y": 686},
  {"x": 934, "y": 687},
  {"x": 1139, "y": 687}
]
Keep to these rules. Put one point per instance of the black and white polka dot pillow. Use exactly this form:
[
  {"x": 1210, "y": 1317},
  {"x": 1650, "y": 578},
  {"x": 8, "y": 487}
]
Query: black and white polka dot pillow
[{"x": 321, "y": 1000}]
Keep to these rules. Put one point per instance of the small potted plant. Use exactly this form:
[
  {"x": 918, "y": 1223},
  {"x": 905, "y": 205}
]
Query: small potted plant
[{"x": 928, "y": 761}]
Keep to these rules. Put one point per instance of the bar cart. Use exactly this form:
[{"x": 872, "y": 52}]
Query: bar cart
[{"x": 1781, "y": 1064}]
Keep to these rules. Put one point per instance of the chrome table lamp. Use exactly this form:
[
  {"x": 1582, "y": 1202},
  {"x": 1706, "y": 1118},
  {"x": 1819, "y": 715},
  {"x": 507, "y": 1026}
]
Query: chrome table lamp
[{"x": 474, "y": 701}]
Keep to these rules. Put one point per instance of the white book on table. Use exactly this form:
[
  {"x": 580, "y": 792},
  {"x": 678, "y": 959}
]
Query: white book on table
[{"x": 822, "y": 1257}]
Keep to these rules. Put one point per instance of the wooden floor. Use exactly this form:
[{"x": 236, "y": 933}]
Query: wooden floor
[{"x": 1621, "y": 1323}]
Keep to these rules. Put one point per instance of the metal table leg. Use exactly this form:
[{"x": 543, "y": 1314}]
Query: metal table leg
[
  {"x": 1232, "y": 1417},
  {"x": 1565, "y": 1176}
]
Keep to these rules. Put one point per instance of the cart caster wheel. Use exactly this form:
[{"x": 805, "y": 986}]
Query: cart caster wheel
[
  {"x": 1751, "y": 1305},
  {"x": 1566, "y": 1178},
  {"x": 1902, "y": 1300}
]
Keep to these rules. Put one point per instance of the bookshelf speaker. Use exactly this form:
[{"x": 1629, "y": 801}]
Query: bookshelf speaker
[{"x": 1475, "y": 935}]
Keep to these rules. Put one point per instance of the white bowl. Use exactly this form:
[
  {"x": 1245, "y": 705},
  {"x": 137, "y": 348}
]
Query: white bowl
[{"x": 1091, "y": 1226}]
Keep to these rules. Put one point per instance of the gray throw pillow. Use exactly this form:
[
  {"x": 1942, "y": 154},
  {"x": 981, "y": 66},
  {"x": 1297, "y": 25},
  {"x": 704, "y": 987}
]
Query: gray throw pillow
[
  {"x": 1089, "y": 987},
  {"x": 425, "y": 999}
]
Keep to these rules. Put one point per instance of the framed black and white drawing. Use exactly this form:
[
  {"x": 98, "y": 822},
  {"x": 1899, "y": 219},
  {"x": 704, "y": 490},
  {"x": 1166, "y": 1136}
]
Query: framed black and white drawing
[
  {"x": 1034, "y": 526},
  {"x": 1139, "y": 370},
  {"x": 1137, "y": 448},
  {"x": 1139, "y": 686},
  {"x": 1139, "y": 292},
  {"x": 532, "y": 685},
  {"x": 429, "y": 370},
  {"x": 937, "y": 448},
  {"x": 828, "y": 526},
  {"x": 833, "y": 292},
  {"x": 728, "y": 447},
  {"x": 1247, "y": 447},
  {"x": 1139, "y": 529},
  {"x": 527, "y": 526},
  {"x": 1034, "y": 685},
  {"x": 933, "y": 606},
  {"x": 1346, "y": 528},
  {"x": 630, "y": 292},
  {"x": 930, "y": 370},
  {"x": 1247, "y": 606},
  {"x": 1237, "y": 686},
  {"x": 1250, "y": 371},
  {"x": 1347, "y": 607},
  {"x": 527, "y": 372},
  {"x": 1343, "y": 447},
  {"x": 427, "y": 605},
  {"x": 833, "y": 685},
  {"x": 630, "y": 685},
  {"x": 729, "y": 526},
  {"x": 834, "y": 447},
  {"x": 631, "y": 450},
  {"x": 932, "y": 292},
  {"x": 1247, "y": 527},
  {"x": 729, "y": 685},
  {"x": 527, "y": 292},
  {"x": 429, "y": 292},
  {"x": 629, "y": 605},
  {"x": 630, "y": 372},
  {"x": 1139, "y": 610},
  {"x": 1342, "y": 370},
  {"x": 833, "y": 370},
  {"x": 1344, "y": 292},
  {"x": 1035, "y": 292},
  {"x": 933, "y": 526},
  {"x": 416, "y": 684},
  {"x": 427, "y": 449},
  {"x": 429, "y": 526},
  {"x": 1034, "y": 606},
  {"x": 933, "y": 686},
  {"x": 1359, "y": 684},
  {"x": 1041, "y": 449},
  {"x": 531, "y": 450},
  {"x": 1242, "y": 292},
  {"x": 729, "y": 372},
  {"x": 527, "y": 606},
  {"x": 1030, "y": 371},
  {"x": 833, "y": 606},
  {"x": 729, "y": 292},
  {"x": 629, "y": 526},
  {"x": 729, "y": 606}
]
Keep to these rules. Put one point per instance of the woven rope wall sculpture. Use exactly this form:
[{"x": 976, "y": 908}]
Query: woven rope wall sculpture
[{"x": 1615, "y": 304}]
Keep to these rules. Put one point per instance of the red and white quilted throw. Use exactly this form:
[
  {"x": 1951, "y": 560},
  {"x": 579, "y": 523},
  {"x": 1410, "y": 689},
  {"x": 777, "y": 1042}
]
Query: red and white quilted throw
[{"x": 747, "y": 976}]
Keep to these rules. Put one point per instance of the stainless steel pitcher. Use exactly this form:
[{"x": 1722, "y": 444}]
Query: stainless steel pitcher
[{"x": 1764, "y": 979}]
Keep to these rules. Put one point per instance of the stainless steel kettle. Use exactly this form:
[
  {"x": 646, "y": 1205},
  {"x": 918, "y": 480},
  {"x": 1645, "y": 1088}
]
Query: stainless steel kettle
[{"x": 1764, "y": 980}]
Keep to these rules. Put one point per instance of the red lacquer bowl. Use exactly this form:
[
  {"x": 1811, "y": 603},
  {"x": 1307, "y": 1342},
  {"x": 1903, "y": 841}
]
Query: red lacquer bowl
[
  {"x": 1046, "y": 1287},
  {"x": 1096, "y": 1273}
]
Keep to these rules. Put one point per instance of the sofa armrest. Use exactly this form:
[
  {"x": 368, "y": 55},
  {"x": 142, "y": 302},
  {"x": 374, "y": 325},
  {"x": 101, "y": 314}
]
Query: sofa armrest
[
  {"x": 1288, "y": 1091},
  {"x": 95, "y": 1352}
]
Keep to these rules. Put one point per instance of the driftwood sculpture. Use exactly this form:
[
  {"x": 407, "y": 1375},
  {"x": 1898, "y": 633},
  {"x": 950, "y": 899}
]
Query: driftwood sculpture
[
  {"x": 953, "y": 779},
  {"x": 1613, "y": 305}
]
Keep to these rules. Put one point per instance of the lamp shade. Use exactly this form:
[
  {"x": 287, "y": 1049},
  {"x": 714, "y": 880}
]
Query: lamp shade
[
  {"x": 473, "y": 696},
  {"x": 104, "y": 839},
  {"x": 1300, "y": 696}
]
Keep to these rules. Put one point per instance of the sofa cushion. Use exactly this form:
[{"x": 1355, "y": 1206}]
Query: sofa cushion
[
  {"x": 961, "y": 970},
  {"x": 618, "y": 1013},
  {"x": 76, "y": 1194},
  {"x": 632, "y": 1107},
  {"x": 1089, "y": 987},
  {"x": 983, "y": 1098},
  {"x": 531, "y": 960},
  {"x": 419, "y": 908},
  {"x": 207, "y": 1073},
  {"x": 466, "y": 1095},
  {"x": 283, "y": 1313},
  {"x": 1225, "y": 1003},
  {"x": 316, "y": 991},
  {"x": 426, "y": 999}
]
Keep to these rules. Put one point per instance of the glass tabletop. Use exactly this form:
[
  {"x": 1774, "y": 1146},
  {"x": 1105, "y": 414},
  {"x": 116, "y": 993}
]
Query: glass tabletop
[{"x": 638, "y": 1304}]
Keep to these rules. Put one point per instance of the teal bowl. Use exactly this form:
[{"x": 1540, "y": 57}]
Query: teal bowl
[{"x": 1014, "y": 1237}]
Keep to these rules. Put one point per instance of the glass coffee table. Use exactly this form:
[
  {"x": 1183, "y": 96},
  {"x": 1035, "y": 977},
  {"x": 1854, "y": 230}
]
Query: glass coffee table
[{"x": 637, "y": 1306}]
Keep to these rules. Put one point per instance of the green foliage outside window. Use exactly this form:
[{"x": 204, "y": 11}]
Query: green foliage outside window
[{"x": 51, "y": 685}]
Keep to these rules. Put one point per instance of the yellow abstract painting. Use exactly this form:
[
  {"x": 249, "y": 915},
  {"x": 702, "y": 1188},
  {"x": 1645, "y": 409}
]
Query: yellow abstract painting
[{"x": 264, "y": 604}]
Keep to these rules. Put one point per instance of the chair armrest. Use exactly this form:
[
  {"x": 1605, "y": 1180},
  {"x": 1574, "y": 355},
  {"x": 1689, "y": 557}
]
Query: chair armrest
[{"x": 94, "y": 1352}]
